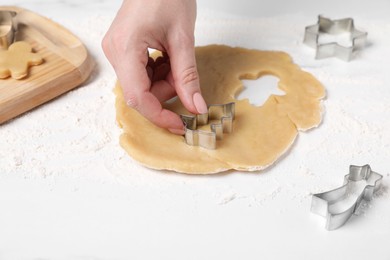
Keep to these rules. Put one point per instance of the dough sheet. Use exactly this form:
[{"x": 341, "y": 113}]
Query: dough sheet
[{"x": 261, "y": 133}]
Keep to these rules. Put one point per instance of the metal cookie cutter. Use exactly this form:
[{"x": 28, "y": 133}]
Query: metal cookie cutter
[
  {"x": 334, "y": 27},
  {"x": 338, "y": 205},
  {"x": 208, "y": 139},
  {"x": 7, "y": 29}
]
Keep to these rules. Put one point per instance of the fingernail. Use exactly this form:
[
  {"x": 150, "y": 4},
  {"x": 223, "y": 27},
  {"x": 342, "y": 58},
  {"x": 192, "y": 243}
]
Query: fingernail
[
  {"x": 199, "y": 103},
  {"x": 176, "y": 131}
]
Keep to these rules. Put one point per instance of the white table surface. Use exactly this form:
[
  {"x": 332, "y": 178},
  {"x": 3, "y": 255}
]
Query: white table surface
[{"x": 68, "y": 190}]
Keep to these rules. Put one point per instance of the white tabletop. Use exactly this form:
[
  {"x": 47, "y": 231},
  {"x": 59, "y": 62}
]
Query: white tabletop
[{"x": 69, "y": 191}]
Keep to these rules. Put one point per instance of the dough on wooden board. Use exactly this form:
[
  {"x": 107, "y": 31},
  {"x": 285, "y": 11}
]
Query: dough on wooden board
[
  {"x": 17, "y": 59},
  {"x": 261, "y": 134}
]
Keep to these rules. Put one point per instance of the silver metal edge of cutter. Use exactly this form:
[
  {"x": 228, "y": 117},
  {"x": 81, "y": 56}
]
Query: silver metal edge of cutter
[
  {"x": 321, "y": 201},
  {"x": 333, "y": 49},
  {"x": 8, "y": 37},
  {"x": 208, "y": 139}
]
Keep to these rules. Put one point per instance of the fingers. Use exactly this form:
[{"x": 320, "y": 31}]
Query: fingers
[
  {"x": 164, "y": 118},
  {"x": 163, "y": 91},
  {"x": 185, "y": 74},
  {"x": 161, "y": 72},
  {"x": 146, "y": 83},
  {"x": 158, "y": 73},
  {"x": 136, "y": 84}
]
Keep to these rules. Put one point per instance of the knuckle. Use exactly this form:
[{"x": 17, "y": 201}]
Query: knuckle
[
  {"x": 105, "y": 43},
  {"x": 189, "y": 75},
  {"x": 186, "y": 39},
  {"x": 181, "y": 38},
  {"x": 119, "y": 43},
  {"x": 132, "y": 101},
  {"x": 116, "y": 39},
  {"x": 113, "y": 43}
]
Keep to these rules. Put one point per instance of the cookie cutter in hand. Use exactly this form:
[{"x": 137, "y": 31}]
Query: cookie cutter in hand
[
  {"x": 208, "y": 139},
  {"x": 334, "y": 27},
  {"x": 327, "y": 204},
  {"x": 7, "y": 29}
]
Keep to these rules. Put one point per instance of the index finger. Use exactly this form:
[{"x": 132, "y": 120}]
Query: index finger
[{"x": 132, "y": 74}]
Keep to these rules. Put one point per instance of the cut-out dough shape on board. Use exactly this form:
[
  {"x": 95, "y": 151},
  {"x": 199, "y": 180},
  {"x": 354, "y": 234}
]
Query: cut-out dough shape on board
[
  {"x": 261, "y": 135},
  {"x": 17, "y": 59}
]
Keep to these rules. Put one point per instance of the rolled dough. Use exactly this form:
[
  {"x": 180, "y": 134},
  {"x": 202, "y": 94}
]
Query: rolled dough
[{"x": 261, "y": 134}]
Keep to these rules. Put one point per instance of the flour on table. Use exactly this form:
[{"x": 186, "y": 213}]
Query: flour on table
[{"x": 75, "y": 135}]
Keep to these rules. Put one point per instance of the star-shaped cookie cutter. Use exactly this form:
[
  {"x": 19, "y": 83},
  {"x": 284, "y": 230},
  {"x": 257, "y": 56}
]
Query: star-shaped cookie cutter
[
  {"x": 224, "y": 113},
  {"x": 330, "y": 204},
  {"x": 7, "y": 29},
  {"x": 334, "y": 27}
]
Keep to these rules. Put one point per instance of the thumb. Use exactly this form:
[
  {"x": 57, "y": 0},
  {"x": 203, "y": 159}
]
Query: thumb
[{"x": 185, "y": 75}]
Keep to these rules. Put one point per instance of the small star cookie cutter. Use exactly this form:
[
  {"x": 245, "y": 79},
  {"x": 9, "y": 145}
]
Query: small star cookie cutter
[
  {"x": 224, "y": 113},
  {"x": 338, "y": 205},
  {"x": 7, "y": 29},
  {"x": 334, "y": 27}
]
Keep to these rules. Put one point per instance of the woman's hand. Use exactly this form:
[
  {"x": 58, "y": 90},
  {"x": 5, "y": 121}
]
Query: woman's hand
[{"x": 168, "y": 26}]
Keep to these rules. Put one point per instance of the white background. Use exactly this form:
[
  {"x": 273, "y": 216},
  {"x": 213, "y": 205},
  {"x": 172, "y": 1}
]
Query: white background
[{"x": 68, "y": 191}]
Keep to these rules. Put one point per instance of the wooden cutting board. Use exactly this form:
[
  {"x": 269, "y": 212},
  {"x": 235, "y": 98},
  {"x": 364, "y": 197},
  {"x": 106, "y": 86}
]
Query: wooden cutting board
[{"x": 67, "y": 64}]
